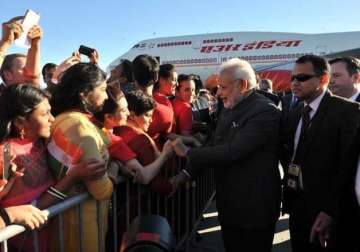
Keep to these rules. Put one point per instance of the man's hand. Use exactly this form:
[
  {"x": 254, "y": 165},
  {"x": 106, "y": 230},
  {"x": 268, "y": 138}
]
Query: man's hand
[
  {"x": 179, "y": 147},
  {"x": 35, "y": 34},
  {"x": 11, "y": 30},
  {"x": 321, "y": 228},
  {"x": 190, "y": 140}
]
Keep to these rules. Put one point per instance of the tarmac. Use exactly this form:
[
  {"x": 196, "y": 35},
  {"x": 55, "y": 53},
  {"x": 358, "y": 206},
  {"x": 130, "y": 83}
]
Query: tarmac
[{"x": 209, "y": 239}]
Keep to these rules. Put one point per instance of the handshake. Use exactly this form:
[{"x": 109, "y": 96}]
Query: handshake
[
  {"x": 181, "y": 149},
  {"x": 180, "y": 145}
]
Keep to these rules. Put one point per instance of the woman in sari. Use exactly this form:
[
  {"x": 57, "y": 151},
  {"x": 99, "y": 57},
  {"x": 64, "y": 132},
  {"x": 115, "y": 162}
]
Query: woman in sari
[
  {"x": 74, "y": 138},
  {"x": 25, "y": 122}
]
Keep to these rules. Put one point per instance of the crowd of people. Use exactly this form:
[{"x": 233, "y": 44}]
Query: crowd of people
[{"x": 63, "y": 140}]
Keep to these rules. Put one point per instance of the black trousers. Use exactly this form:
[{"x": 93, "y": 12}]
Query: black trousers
[
  {"x": 300, "y": 224},
  {"x": 244, "y": 240}
]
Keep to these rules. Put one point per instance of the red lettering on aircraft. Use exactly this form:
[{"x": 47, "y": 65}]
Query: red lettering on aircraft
[{"x": 250, "y": 46}]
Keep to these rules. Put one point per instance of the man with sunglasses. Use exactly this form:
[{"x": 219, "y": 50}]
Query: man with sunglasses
[{"x": 319, "y": 136}]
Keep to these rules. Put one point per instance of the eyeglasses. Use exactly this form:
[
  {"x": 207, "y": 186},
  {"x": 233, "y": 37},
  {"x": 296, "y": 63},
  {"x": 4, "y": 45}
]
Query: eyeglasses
[{"x": 302, "y": 77}]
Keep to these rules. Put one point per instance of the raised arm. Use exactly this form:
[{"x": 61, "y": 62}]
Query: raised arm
[{"x": 32, "y": 69}]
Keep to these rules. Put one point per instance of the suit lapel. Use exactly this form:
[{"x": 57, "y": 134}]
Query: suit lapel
[{"x": 316, "y": 122}]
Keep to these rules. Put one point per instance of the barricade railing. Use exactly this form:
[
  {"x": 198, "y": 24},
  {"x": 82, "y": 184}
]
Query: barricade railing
[{"x": 183, "y": 210}]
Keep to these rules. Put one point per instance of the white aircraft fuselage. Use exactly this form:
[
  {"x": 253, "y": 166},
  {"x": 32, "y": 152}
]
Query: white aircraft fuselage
[{"x": 202, "y": 54}]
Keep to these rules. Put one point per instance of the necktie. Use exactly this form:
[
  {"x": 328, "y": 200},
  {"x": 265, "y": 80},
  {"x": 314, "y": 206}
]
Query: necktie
[{"x": 305, "y": 116}]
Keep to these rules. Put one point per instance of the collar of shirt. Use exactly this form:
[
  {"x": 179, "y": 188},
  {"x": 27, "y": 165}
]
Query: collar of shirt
[
  {"x": 353, "y": 98},
  {"x": 314, "y": 105}
]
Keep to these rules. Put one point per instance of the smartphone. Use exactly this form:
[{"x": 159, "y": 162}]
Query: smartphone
[
  {"x": 31, "y": 18},
  {"x": 86, "y": 50},
  {"x": 5, "y": 161}
]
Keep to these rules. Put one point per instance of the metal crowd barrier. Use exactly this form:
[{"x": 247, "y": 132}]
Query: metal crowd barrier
[{"x": 183, "y": 210}]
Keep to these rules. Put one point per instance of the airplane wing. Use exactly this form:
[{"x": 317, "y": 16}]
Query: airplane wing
[
  {"x": 352, "y": 52},
  {"x": 280, "y": 73},
  {"x": 288, "y": 65}
]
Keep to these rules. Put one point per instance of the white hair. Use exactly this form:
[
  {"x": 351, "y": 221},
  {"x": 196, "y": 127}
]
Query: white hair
[{"x": 241, "y": 69}]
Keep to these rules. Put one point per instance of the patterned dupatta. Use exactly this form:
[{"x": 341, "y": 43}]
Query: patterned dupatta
[{"x": 37, "y": 177}]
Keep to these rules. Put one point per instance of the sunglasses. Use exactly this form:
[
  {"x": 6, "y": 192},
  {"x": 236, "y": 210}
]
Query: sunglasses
[{"x": 302, "y": 77}]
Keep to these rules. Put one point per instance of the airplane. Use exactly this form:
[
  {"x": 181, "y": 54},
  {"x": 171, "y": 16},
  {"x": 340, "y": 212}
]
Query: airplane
[{"x": 272, "y": 54}]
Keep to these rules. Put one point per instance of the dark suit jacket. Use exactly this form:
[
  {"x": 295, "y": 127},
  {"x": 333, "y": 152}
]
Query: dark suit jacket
[
  {"x": 348, "y": 216},
  {"x": 329, "y": 152},
  {"x": 245, "y": 155},
  {"x": 273, "y": 97},
  {"x": 287, "y": 106}
]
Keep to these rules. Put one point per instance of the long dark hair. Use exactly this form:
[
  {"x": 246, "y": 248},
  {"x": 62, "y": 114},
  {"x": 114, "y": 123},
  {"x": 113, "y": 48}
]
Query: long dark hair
[
  {"x": 79, "y": 78},
  {"x": 17, "y": 101},
  {"x": 111, "y": 104}
]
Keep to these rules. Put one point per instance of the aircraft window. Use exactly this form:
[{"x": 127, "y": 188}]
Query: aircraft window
[{"x": 218, "y": 40}]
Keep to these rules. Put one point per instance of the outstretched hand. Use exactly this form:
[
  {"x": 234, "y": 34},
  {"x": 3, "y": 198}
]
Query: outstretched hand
[{"x": 179, "y": 147}]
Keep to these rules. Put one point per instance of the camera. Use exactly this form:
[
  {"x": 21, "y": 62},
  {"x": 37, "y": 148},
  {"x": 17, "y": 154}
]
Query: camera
[{"x": 86, "y": 50}]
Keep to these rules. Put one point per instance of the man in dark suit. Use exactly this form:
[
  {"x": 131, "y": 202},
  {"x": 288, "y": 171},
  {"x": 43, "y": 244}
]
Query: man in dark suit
[
  {"x": 320, "y": 145},
  {"x": 289, "y": 102},
  {"x": 265, "y": 88},
  {"x": 244, "y": 152},
  {"x": 345, "y": 77},
  {"x": 345, "y": 81}
]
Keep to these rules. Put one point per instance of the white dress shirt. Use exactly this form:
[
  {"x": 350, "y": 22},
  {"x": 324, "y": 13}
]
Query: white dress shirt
[
  {"x": 357, "y": 178},
  {"x": 353, "y": 98}
]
